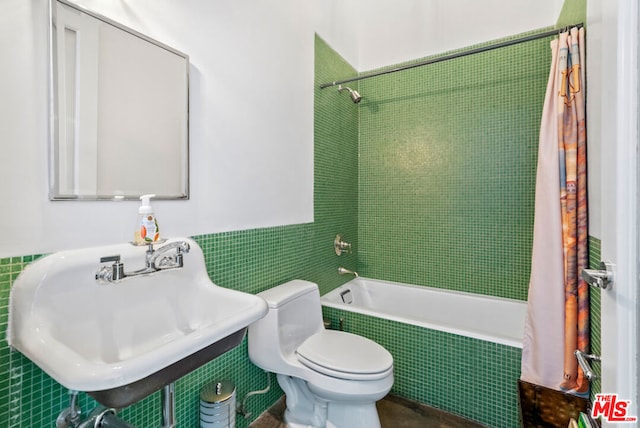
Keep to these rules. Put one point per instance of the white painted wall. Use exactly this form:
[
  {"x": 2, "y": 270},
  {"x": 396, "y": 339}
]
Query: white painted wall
[
  {"x": 251, "y": 122},
  {"x": 390, "y": 32},
  {"x": 251, "y": 106}
]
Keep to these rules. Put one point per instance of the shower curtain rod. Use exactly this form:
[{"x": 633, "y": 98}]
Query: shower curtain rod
[{"x": 453, "y": 56}]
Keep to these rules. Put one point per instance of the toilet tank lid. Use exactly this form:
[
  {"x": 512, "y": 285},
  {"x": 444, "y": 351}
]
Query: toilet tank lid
[{"x": 283, "y": 293}]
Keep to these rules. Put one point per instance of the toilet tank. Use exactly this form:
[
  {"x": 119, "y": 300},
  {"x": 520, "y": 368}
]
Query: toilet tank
[{"x": 294, "y": 314}]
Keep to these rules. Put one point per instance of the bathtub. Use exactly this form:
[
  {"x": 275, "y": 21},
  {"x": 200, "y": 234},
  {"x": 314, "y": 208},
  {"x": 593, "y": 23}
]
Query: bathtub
[
  {"x": 455, "y": 351},
  {"x": 491, "y": 319}
]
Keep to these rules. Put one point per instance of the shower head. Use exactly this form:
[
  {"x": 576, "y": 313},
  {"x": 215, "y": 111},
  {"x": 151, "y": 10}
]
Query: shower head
[{"x": 355, "y": 96}]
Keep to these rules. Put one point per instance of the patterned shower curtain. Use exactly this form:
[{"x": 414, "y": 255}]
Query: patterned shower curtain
[{"x": 558, "y": 303}]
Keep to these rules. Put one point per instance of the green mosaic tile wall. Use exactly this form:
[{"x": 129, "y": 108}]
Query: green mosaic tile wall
[
  {"x": 250, "y": 261},
  {"x": 468, "y": 377},
  {"x": 447, "y": 167},
  {"x": 573, "y": 12}
]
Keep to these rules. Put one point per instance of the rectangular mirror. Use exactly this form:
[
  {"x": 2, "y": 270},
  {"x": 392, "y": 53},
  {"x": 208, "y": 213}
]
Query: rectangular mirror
[{"x": 119, "y": 110}]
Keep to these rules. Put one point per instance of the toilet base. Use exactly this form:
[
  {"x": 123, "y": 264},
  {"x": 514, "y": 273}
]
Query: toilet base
[
  {"x": 306, "y": 410},
  {"x": 340, "y": 416},
  {"x": 295, "y": 425},
  {"x": 364, "y": 415}
]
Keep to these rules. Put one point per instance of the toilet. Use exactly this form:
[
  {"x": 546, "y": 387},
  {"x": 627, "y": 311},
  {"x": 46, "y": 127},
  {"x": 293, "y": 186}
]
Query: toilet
[{"x": 331, "y": 378}]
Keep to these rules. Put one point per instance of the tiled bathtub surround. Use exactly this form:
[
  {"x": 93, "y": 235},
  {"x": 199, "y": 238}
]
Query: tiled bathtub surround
[
  {"x": 465, "y": 376},
  {"x": 447, "y": 164},
  {"x": 461, "y": 375},
  {"x": 447, "y": 171}
]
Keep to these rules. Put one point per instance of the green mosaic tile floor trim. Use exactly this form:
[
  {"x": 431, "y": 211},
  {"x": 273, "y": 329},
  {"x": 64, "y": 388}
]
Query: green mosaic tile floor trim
[{"x": 461, "y": 375}]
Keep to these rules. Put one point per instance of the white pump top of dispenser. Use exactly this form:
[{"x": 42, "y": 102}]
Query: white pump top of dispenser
[{"x": 145, "y": 208}]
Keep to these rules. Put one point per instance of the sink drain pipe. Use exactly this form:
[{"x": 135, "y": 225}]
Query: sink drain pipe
[
  {"x": 99, "y": 417},
  {"x": 105, "y": 418}
]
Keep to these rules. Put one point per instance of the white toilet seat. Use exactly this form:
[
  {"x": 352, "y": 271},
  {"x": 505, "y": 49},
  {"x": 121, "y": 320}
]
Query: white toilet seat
[{"x": 345, "y": 356}]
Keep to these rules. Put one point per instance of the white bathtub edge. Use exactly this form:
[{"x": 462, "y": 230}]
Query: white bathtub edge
[{"x": 511, "y": 342}]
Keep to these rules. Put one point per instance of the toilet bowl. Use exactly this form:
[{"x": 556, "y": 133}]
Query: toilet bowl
[{"x": 331, "y": 379}]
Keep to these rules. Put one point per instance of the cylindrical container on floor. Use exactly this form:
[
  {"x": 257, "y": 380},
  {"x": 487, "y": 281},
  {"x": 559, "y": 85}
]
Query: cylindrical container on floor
[{"x": 218, "y": 405}]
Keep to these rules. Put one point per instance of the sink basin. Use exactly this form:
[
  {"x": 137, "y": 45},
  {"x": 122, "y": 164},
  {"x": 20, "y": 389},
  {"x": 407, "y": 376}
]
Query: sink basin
[{"x": 121, "y": 341}]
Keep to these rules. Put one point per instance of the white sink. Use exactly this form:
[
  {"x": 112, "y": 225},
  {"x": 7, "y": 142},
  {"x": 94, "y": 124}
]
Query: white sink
[{"x": 122, "y": 340}]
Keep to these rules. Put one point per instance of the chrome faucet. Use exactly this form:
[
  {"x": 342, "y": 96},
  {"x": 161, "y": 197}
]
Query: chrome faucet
[
  {"x": 155, "y": 261},
  {"x": 344, "y": 271}
]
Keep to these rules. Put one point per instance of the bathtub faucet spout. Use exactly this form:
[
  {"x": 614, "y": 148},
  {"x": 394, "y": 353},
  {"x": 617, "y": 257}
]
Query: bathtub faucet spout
[{"x": 344, "y": 271}]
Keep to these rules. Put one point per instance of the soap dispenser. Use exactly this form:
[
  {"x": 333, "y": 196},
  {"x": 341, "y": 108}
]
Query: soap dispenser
[{"x": 146, "y": 230}]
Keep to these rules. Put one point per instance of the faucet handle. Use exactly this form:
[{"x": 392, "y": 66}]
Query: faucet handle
[
  {"x": 117, "y": 269},
  {"x": 115, "y": 259},
  {"x": 341, "y": 246}
]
